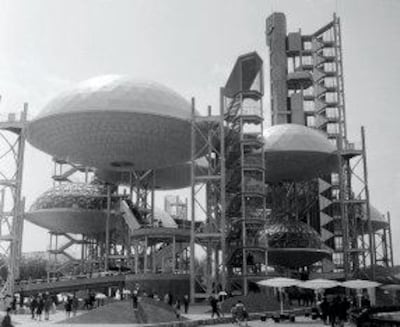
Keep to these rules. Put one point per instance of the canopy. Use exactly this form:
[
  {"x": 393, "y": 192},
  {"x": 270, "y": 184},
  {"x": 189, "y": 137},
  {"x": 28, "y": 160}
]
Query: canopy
[
  {"x": 279, "y": 282},
  {"x": 319, "y": 284},
  {"x": 360, "y": 284}
]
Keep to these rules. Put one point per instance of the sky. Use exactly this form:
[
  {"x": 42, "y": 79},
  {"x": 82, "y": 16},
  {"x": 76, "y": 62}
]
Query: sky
[{"x": 46, "y": 46}]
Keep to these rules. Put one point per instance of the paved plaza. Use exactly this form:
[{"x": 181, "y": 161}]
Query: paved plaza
[{"x": 199, "y": 313}]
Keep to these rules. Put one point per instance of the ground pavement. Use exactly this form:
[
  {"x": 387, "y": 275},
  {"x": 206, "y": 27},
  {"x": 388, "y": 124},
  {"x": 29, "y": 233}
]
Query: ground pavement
[{"x": 195, "y": 313}]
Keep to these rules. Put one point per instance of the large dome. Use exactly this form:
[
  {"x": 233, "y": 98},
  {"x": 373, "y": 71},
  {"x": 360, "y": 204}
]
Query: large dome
[
  {"x": 296, "y": 153},
  {"x": 114, "y": 122}
]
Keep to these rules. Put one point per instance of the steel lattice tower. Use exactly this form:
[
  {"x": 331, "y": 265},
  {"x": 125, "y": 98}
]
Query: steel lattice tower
[{"x": 12, "y": 132}]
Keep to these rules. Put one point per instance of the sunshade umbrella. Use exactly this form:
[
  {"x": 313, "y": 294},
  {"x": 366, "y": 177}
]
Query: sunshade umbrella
[
  {"x": 100, "y": 296},
  {"x": 279, "y": 282},
  {"x": 391, "y": 287},
  {"x": 319, "y": 284},
  {"x": 359, "y": 284}
]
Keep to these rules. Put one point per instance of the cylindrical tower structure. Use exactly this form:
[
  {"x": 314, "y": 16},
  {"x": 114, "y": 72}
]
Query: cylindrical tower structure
[{"x": 276, "y": 39}]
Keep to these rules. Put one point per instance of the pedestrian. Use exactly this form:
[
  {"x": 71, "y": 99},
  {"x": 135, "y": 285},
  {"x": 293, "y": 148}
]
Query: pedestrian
[
  {"x": 75, "y": 304},
  {"x": 170, "y": 299},
  {"x": 241, "y": 313},
  {"x": 6, "y": 322},
  {"x": 177, "y": 308},
  {"x": 14, "y": 305},
  {"x": 186, "y": 303},
  {"x": 234, "y": 314},
  {"x": 214, "y": 306},
  {"x": 48, "y": 304},
  {"x": 68, "y": 307},
  {"x": 134, "y": 300},
  {"x": 32, "y": 306},
  {"x": 324, "y": 307},
  {"x": 334, "y": 311},
  {"x": 39, "y": 308}
]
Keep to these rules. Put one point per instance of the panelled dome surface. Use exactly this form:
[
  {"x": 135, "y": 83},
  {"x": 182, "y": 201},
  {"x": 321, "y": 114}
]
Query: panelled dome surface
[
  {"x": 72, "y": 208},
  {"x": 116, "y": 123},
  {"x": 292, "y": 243},
  {"x": 295, "y": 153}
]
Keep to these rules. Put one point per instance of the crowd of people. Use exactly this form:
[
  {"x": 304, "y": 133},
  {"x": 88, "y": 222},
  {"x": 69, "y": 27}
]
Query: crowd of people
[{"x": 336, "y": 311}]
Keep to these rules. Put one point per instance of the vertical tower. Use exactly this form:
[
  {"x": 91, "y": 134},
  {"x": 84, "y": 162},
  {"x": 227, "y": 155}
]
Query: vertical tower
[
  {"x": 307, "y": 87},
  {"x": 208, "y": 183},
  {"x": 245, "y": 168},
  {"x": 12, "y": 131}
]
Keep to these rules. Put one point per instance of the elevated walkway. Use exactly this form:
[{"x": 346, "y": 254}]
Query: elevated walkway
[{"x": 68, "y": 285}]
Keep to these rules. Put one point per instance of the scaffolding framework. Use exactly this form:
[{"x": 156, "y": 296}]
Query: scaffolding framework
[
  {"x": 245, "y": 169},
  {"x": 12, "y": 133},
  {"x": 208, "y": 203},
  {"x": 307, "y": 87}
]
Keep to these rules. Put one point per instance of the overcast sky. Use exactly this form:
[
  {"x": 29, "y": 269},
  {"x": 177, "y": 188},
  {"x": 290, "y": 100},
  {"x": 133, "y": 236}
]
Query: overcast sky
[{"x": 48, "y": 45}]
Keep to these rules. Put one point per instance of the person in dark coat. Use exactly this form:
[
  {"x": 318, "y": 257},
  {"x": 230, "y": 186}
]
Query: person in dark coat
[
  {"x": 214, "y": 307},
  {"x": 48, "y": 304},
  {"x": 135, "y": 300},
  {"x": 324, "y": 306},
  {"x": 7, "y": 319},
  {"x": 186, "y": 303},
  {"x": 32, "y": 306},
  {"x": 39, "y": 308},
  {"x": 68, "y": 307}
]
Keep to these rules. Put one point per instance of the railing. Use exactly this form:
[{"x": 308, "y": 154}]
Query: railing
[
  {"x": 248, "y": 110},
  {"x": 12, "y": 117},
  {"x": 254, "y": 186},
  {"x": 253, "y": 161}
]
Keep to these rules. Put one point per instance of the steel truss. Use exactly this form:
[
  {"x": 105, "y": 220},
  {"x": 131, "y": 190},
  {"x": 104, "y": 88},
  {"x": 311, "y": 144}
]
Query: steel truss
[
  {"x": 208, "y": 140},
  {"x": 245, "y": 169},
  {"x": 12, "y": 135}
]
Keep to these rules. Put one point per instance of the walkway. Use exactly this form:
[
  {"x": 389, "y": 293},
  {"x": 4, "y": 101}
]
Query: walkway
[{"x": 197, "y": 313}]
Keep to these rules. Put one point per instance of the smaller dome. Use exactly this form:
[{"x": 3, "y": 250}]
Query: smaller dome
[
  {"x": 73, "y": 195},
  {"x": 292, "y": 243},
  {"x": 76, "y": 208},
  {"x": 297, "y": 153},
  {"x": 378, "y": 220}
]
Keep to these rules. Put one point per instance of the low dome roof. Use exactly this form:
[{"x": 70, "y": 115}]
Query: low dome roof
[{"x": 296, "y": 152}]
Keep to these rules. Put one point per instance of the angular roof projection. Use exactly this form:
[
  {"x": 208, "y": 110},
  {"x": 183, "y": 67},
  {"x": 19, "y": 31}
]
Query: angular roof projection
[
  {"x": 296, "y": 153},
  {"x": 246, "y": 75},
  {"x": 115, "y": 123}
]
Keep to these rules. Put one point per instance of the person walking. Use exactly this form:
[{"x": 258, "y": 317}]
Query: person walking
[
  {"x": 214, "y": 306},
  {"x": 32, "y": 306},
  {"x": 75, "y": 305},
  {"x": 39, "y": 308},
  {"x": 324, "y": 307},
  {"x": 186, "y": 303},
  {"x": 177, "y": 308},
  {"x": 68, "y": 307},
  {"x": 134, "y": 300},
  {"x": 48, "y": 304}
]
